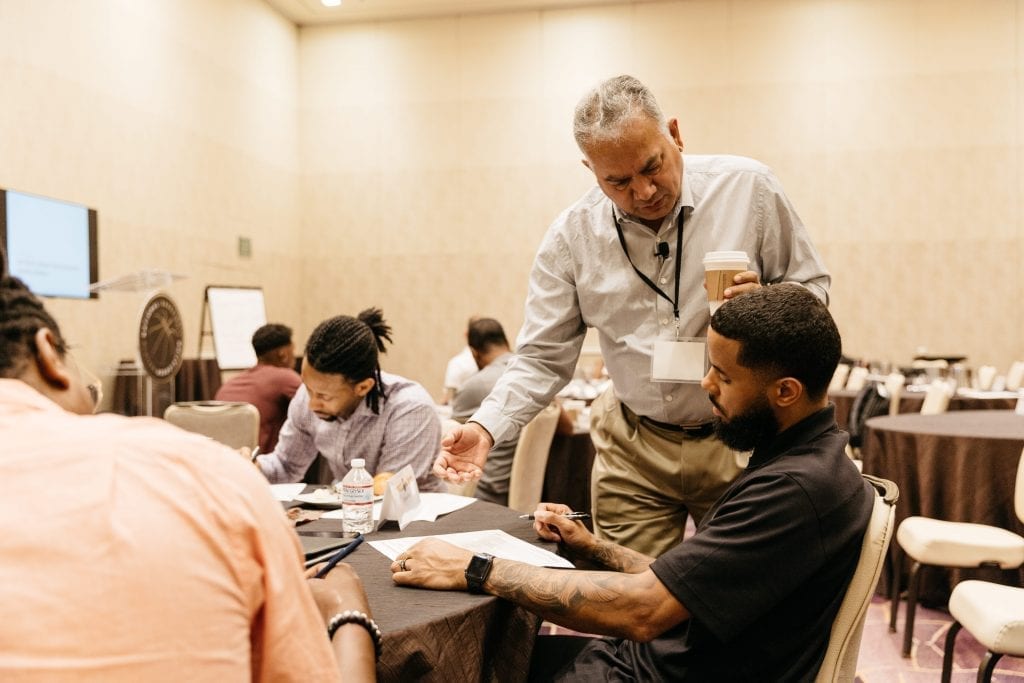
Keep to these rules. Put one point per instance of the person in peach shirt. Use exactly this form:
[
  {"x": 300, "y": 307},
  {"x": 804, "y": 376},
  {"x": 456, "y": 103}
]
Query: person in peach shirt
[{"x": 133, "y": 551}]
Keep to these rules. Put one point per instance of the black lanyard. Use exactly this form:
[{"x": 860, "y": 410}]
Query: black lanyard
[{"x": 679, "y": 262}]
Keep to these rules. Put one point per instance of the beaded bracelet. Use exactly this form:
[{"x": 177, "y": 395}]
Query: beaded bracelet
[{"x": 351, "y": 616}]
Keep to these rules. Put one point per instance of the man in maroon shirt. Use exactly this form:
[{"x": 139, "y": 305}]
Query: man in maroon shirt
[{"x": 270, "y": 385}]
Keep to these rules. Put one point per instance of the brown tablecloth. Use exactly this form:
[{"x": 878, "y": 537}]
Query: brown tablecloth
[
  {"x": 959, "y": 466},
  {"x": 910, "y": 402},
  {"x": 567, "y": 476},
  {"x": 441, "y": 635}
]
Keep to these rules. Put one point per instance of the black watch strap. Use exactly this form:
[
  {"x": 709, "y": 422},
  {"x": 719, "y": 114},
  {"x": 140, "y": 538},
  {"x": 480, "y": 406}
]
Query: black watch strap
[{"x": 477, "y": 571}]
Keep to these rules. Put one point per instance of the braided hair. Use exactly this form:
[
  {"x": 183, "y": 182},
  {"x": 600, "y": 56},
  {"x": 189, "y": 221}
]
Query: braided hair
[
  {"x": 349, "y": 346},
  {"x": 21, "y": 316}
]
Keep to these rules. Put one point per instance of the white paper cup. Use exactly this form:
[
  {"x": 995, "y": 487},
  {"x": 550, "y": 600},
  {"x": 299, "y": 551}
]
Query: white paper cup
[{"x": 720, "y": 267}]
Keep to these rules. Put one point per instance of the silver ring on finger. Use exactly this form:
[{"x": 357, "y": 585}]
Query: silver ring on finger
[{"x": 401, "y": 565}]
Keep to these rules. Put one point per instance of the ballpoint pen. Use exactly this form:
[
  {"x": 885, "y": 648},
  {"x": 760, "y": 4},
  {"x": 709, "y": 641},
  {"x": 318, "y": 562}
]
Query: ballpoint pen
[
  {"x": 568, "y": 515},
  {"x": 339, "y": 556}
]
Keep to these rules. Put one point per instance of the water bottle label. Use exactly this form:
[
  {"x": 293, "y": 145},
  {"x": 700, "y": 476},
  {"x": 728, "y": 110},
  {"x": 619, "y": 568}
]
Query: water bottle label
[{"x": 357, "y": 494}]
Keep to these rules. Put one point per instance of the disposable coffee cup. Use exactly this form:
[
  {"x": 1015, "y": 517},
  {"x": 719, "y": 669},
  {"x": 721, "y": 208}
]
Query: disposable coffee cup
[{"x": 720, "y": 267}]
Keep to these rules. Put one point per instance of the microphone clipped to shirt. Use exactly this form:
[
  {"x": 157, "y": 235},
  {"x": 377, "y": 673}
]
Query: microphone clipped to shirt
[{"x": 661, "y": 251}]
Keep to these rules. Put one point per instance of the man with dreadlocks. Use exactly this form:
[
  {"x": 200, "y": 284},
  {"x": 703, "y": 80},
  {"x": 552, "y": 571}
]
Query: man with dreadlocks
[
  {"x": 131, "y": 550},
  {"x": 347, "y": 408}
]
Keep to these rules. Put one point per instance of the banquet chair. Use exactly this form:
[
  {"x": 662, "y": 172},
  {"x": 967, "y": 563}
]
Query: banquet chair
[
  {"x": 1015, "y": 376},
  {"x": 984, "y": 377},
  {"x": 858, "y": 376},
  {"x": 234, "y": 424},
  {"x": 938, "y": 543},
  {"x": 840, "y": 663},
  {"x": 894, "y": 387},
  {"x": 936, "y": 398},
  {"x": 526, "y": 481},
  {"x": 839, "y": 377},
  {"x": 992, "y": 614}
]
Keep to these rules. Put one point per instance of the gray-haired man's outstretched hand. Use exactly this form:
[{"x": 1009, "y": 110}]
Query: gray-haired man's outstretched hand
[{"x": 463, "y": 453}]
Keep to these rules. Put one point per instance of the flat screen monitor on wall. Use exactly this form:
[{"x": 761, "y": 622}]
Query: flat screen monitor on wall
[{"x": 50, "y": 244}]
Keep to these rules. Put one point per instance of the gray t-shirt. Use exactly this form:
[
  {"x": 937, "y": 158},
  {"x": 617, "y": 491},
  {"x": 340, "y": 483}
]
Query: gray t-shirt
[{"x": 493, "y": 485}]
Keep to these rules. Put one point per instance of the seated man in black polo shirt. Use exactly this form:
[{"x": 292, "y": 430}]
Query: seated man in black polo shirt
[{"x": 752, "y": 595}]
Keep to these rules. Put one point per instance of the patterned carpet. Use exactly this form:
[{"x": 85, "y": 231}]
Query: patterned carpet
[{"x": 880, "y": 660}]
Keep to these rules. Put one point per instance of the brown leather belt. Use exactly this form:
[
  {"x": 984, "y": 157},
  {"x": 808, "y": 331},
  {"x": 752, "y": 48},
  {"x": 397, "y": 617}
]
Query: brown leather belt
[
  {"x": 699, "y": 431},
  {"x": 696, "y": 431}
]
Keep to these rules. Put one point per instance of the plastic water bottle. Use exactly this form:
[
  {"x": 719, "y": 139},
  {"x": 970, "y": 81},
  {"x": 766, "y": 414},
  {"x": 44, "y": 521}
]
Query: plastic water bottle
[{"x": 357, "y": 500}]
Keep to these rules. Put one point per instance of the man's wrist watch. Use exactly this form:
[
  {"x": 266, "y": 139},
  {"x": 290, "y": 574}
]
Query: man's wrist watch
[{"x": 477, "y": 571}]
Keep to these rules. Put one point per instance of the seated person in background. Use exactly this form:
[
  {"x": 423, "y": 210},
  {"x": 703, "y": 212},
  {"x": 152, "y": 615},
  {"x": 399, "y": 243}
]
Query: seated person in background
[
  {"x": 347, "y": 408},
  {"x": 131, "y": 550},
  {"x": 461, "y": 367},
  {"x": 269, "y": 385},
  {"x": 489, "y": 345},
  {"x": 752, "y": 595}
]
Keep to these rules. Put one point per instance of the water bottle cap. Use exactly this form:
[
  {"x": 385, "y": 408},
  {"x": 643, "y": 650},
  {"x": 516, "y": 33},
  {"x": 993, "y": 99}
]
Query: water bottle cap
[{"x": 358, "y": 462}]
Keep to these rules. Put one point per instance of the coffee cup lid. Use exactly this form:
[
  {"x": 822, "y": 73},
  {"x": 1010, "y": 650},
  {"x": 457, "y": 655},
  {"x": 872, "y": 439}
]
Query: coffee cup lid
[{"x": 719, "y": 256}]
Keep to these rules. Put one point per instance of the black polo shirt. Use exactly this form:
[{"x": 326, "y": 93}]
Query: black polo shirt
[{"x": 765, "y": 573}]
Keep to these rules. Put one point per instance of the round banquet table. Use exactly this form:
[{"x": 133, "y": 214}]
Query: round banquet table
[
  {"x": 910, "y": 402},
  {"x": 959, "y": 466},
  {"x": 445, "y": 635}
]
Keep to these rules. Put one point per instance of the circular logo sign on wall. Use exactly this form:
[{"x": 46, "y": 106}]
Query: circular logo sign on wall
[{"x": 161, "y": 337}]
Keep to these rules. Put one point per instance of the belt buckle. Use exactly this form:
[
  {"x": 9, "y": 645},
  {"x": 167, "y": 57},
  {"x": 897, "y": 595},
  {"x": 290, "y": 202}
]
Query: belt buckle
[{"x": 698, "y": 431}]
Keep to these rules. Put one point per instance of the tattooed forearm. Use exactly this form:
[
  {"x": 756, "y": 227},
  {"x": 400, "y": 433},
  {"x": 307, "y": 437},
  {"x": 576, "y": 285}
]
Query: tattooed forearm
[
  {"x": 619, "y": 559},
  {"x": 607, "y": 603}
]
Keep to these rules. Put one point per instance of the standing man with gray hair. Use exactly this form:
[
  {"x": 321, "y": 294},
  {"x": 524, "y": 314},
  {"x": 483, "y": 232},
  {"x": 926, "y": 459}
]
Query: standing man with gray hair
[{"x": 626, "y": 259}]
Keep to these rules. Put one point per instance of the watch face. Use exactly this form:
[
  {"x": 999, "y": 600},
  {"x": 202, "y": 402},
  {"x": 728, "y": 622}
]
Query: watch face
[
  {"x": 161, "y": 338},
  {"x": 477, "y": 571}
]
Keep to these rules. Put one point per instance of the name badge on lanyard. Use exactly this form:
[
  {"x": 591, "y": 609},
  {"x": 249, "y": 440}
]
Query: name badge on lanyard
[{"x": 679, "y": 360}]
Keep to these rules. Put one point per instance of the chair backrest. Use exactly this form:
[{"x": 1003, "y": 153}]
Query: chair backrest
[
  {"x": 467, "y": 488},
  {"x": 1015, "y": 376},
  {"x": 526, "y": 482},
  {"x": 1018, "y": 493},
  {"x": 894, "y": 387},
  {"x": 839, "y": 377},
  {"x": 984, "y": 376},
  {"x": 234, "y": 424},
  {"x": 840, "y": 663},
  {"x": 936, "y": 399},
  {"x": 858, "y": 376}
]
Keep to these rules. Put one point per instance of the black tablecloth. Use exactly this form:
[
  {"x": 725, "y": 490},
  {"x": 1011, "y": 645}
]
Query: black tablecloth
[
  {"x": 441, "y": 635},
  {"x": 958, "y": 466}
]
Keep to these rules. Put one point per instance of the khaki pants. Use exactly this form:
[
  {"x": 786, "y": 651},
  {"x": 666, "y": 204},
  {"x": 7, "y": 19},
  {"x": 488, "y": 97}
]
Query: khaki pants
[{"x": 646, "y": 479}]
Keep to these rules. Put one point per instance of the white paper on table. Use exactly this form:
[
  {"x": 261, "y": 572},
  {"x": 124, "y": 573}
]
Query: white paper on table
[
  {"x": 432, "y": 506},
  {"x": 286, "y": 492},
  {"x": 493, "y": 541}
]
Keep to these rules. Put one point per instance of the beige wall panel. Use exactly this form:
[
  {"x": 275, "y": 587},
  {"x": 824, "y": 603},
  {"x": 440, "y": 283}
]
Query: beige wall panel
[
  {"x": 500, "y": 57},
  {"x": 415, "y": 165},
  {"x": 684, "y": 45},
  {"x": 177, "y": 122},
  {"x": 894, "y": 126}
]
